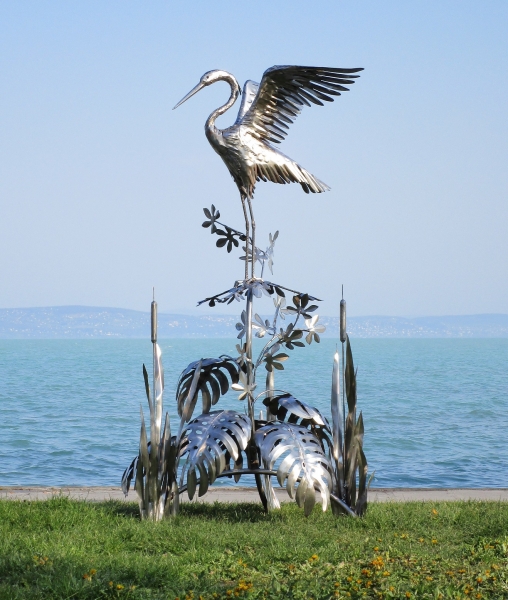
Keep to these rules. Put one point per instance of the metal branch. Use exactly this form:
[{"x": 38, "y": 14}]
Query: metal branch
[{"x": 346, "y": 508}]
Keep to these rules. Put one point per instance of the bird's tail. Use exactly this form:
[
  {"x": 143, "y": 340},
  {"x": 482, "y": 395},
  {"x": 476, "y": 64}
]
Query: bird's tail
[
  {"x": 284, "y": 170},
  {"x": 311, "y": 183}
]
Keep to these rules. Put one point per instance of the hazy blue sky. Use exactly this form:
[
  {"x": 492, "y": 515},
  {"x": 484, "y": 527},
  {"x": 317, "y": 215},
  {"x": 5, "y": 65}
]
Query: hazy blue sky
[{"x": 102, "y": 185}]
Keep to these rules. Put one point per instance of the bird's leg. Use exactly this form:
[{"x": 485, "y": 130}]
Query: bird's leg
[
  {"x": 246, "y": 238},
  {"x": 253, "y": 223}
]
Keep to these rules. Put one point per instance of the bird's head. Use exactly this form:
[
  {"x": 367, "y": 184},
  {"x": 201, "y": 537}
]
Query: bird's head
[{"x": 212, "y": 77}]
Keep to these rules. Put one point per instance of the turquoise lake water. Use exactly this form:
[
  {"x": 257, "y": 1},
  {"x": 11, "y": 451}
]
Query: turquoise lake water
[{"x": 435, "y": 410}]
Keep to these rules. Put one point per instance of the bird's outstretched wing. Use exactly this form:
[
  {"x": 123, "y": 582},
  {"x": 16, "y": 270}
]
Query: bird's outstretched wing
[{"x": 283, "y": 92}]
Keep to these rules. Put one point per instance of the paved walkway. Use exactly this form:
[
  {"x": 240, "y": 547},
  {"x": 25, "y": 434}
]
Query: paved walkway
[{"x": 243, "y": 494}]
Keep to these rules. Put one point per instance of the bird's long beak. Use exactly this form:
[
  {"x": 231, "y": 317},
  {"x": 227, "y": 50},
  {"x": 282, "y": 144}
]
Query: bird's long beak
[{"x": 194, "y": 90}]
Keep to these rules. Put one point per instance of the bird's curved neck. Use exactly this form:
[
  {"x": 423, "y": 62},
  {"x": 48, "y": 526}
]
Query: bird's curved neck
[{"x": 235, "y": 92}]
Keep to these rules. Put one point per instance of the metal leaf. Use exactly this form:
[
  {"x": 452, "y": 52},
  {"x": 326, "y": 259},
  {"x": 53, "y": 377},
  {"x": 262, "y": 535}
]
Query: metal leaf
[
  {"x": 350, "y": 377},
  {"x": 301, "y": 458},
  {"x": 337, "y": 424},
  {"x": 192, "y": 395},
  {"x": 212, "y": 382},
  {"x": 288, "y": 408},
  {"x": 238, "y": 466},
  {"x": 208, "y": 443}
]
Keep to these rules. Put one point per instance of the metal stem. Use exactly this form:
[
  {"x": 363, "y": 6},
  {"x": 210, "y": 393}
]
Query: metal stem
[
  {"x": 253, "y": 247},
  {"x": 344, "y": 415},
  {"x": 343, "y": 393},
  {"x": 247, "y": 238},
  {"x": 252, "y": 454},
  {"x": 248, "y": 355},
  {"x": 154, "y": 358}
]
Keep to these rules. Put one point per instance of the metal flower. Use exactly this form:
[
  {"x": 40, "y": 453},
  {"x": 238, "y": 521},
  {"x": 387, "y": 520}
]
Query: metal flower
[
  {"x": 274, "y": 361},
  {"x": 290, "y": 336},
  {"x": 240, "y": 327},
  {"x": 242, "y": 354},
  {"x": 280, "y": 305},
  {"x": 288, "y": 310},
  {"x": 212, "y": 216},
  {"x": 269, "y": 250},
  {"x": 244, "y": 386},
  {"x": 261, "y": 326},
  {"x": 237, "y": 295},
  {"x": 258, "y": 253},
  {"x": 227, "y": 237},
  {"x": 313, "y": 329},
  {"x": 259, "y": 287}
]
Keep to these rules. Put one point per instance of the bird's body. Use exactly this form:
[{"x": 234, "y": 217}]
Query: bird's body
[
  {"x": 249, "y": 160},
  {"x": 266, "y": 111}
]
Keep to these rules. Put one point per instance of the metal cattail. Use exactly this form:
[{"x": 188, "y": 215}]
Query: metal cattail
[
  {"x": 343, "y": 331},
  {"x": 154, "y": 322}
]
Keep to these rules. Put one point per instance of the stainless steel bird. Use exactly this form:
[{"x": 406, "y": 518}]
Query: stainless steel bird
[{"x": 266, "y": 111}]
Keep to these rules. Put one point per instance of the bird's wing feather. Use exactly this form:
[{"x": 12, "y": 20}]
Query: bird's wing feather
[
  {"x": 284, "y": 90},
  {"x": 250, "y": 89}
]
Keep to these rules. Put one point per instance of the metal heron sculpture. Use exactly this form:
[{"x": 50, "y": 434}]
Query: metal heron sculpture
[{"x": 266, "y": 111}]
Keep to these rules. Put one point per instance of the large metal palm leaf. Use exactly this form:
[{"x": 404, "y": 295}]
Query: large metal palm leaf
[
  {"x": 213, "y": 382},
  {"x": 289, "y": 409},
  {"x": 301, "y": 460},
  {"x": 209, "y": 443}
]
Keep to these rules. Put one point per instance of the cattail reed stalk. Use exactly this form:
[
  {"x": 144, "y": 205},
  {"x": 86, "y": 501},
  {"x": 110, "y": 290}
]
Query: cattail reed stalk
[
  {"x": 343, "y": 337},
  {"x": 343, "y": 332},
  {"x": 153, "y": 336}
]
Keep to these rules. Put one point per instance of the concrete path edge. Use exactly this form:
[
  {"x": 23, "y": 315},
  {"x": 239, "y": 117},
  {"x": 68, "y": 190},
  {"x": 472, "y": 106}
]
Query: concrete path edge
[{"x": 244, "y": 494}]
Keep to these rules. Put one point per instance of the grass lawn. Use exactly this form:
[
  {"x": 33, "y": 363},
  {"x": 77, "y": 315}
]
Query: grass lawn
[{"x": 67, "y": 549}]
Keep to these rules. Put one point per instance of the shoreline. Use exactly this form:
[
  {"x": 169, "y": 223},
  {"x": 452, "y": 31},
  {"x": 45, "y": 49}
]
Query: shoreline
[{"x": 246, "y": 494}]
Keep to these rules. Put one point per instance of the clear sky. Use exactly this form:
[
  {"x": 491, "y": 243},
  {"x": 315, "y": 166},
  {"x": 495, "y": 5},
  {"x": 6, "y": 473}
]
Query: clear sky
[{"x": 102, "y": 185}]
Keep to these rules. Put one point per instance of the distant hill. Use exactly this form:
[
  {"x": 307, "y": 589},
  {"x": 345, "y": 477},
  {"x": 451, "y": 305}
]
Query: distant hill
[{"x": 84, "y": 322}]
